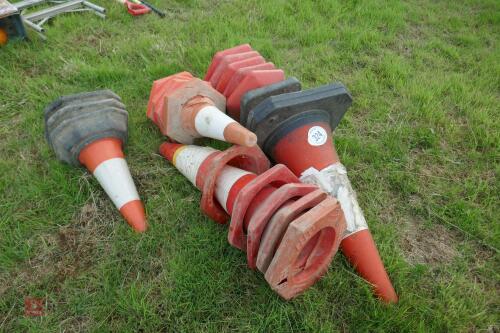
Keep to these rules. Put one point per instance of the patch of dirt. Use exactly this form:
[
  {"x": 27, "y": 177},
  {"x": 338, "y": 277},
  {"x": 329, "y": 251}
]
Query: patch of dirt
[
  {"x": 73, "y": 249},
  {"x": 430, "y": 246}
]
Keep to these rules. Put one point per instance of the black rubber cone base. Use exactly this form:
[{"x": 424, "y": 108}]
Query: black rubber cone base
[
  {"x": 275, "y": 111},
  {"x": 72, "y": 122},
  {"x": 254, "y": 97}
]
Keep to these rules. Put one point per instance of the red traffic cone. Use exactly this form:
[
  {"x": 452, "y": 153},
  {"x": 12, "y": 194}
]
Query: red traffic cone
[
  {"x": 185, "y": 108},
  {"x": 290, "y": 231},
  {"x": 218, "y": 57},
  {"x": 238, "y": 76},
  {"x": 235, "y": 71},
  {"x": 302, "y": 122},
  {"x": 90, "y": 129},
  {"x": 235, "y": 66},
  {"x": 226, "y": 61}
]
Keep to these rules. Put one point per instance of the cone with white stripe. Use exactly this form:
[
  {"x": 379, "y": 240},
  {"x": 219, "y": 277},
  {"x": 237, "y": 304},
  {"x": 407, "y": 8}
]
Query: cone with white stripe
[
  {"x": 90, "y": 129},
  {"x": 294, "y": 249},
  {"x": 186, "y": 108},
  {"x": 302, "y": 122}
]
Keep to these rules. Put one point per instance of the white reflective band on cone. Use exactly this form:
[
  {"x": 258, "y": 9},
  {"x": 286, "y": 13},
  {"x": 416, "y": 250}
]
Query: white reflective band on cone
[
  {"x": 188, "y": 160},
  {"x": 225, "y": 182},
  {"x": 211, "y": 122},
  {"x": 333, "y": 180},
  {"x": 114, "y": 177}
]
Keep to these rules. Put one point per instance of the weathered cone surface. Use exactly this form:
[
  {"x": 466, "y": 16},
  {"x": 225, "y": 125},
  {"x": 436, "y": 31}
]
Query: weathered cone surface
[
  {"x": 185, "y": 108},
  {"x": 303, "y": 121},
  {"x": 74, "y": 121},
  {"x": 237, "y": 70},
  {"x": 293, "y": 252},
  {"x": 90, "y": 129}
]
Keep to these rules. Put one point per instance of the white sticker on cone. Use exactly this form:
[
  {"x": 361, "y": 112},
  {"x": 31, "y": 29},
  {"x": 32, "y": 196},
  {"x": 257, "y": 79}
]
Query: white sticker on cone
[
  {"x": 114, "y": 177},
  {"x": 316, "y": 136}
]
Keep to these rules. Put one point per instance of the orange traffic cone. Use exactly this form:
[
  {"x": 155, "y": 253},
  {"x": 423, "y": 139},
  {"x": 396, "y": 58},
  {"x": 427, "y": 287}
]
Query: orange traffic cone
[
  {"x": 218, "y": 57},
  {"x": 290, "y": 231},
  {"x": 237, "y": 70},
  {"x": 302, "y": 122},
  {"x": 90, "y": 129},
  {"x": 185, "y": 108}
]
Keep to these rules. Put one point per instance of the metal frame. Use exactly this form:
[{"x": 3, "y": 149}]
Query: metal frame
[{"x": 36, "y": 20}]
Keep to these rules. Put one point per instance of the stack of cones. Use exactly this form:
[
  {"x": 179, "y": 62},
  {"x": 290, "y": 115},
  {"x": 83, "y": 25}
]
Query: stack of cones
[
  {"x": 282, "y": 217},
  {"x": 290, "y": 231},
  {"x": 303, "y": 121},
  {"x": 186, "y": 108},
  {"x": 237, "y": 70},
  {"x": 90, "y": 129}
]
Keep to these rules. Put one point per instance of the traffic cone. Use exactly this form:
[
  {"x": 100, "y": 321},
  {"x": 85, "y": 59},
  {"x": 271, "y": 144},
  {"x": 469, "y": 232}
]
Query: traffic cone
[
  {"x": 289, "y": 230},
  {"x": 218, "y": 57},
  {"x": 226, "y": 61},
  {"x": 235, "y": 71},
  {"x": 186, "y": 108},
  {"x": 302, "y": 122},
  {"x": 231, "y": 69},
  {"x": 90, "y": 129}
]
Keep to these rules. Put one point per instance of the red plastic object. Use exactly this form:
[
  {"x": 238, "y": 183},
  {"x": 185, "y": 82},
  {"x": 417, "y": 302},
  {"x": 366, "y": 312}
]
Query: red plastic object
[
  {"x": 271, "y": 238},
  {"x": 278, "y": 175},
  {"x": 306, "y": 249},
  {"x": 218, "y": 56},
  {"x": 233, "y": 67},
  {"x": 251, "y": 80},
  {"x": 266, "y": 210},
  {"x": 253, "y": 199},
  {"x": 136, "y": 9},
  {"x": 247, "y": 158},
  {"x": 240, "y": 73},
  {"x": 318, "y": 157},
  {"x": 362, "y": 252},
  {"x": 226, "y": 61},
  {"x": 358, "y": 246}
]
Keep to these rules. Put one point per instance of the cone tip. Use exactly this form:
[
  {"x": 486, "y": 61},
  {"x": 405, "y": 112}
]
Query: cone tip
[
  {"x": 251, "y": 140},
  {"x": 134, "y": 214},
  {"x": 237, "y": 134},
  {"x": 361, "y": 251}
]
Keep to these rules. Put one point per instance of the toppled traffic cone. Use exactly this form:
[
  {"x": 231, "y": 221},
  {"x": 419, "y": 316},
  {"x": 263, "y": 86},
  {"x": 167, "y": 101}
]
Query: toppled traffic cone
[
  {"x": 90, "y": 129},
  {"x": 237, "y": 70},
  {"x": 218, "y": 57},
  {"x": 290, "y": 231},
  {"x": 302, "y": 122},
  {"x": 185, "y": 108}
]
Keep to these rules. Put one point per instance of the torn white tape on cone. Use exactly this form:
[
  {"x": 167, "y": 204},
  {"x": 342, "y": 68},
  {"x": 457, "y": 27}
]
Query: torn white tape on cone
[{"x": 333, "y": 180}]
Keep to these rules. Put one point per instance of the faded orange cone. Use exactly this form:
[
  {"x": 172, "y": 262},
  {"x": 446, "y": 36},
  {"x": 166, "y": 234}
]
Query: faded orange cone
[
  {"x": 89, "y": 129},
  {"x": 289, "y": 230},
  {"x": 186, "y": 108},
  {"x": 302, "y": 122}
]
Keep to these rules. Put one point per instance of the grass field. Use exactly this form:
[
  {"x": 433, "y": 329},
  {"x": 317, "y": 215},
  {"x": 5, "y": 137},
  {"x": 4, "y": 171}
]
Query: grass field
[{"x": 421, "y": 143}]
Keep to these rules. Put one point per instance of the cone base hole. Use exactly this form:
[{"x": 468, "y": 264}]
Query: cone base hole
[{"x": 314, "y": 255}]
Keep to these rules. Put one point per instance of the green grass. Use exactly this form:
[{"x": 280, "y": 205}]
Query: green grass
[{"x": 421, "y": 143}]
